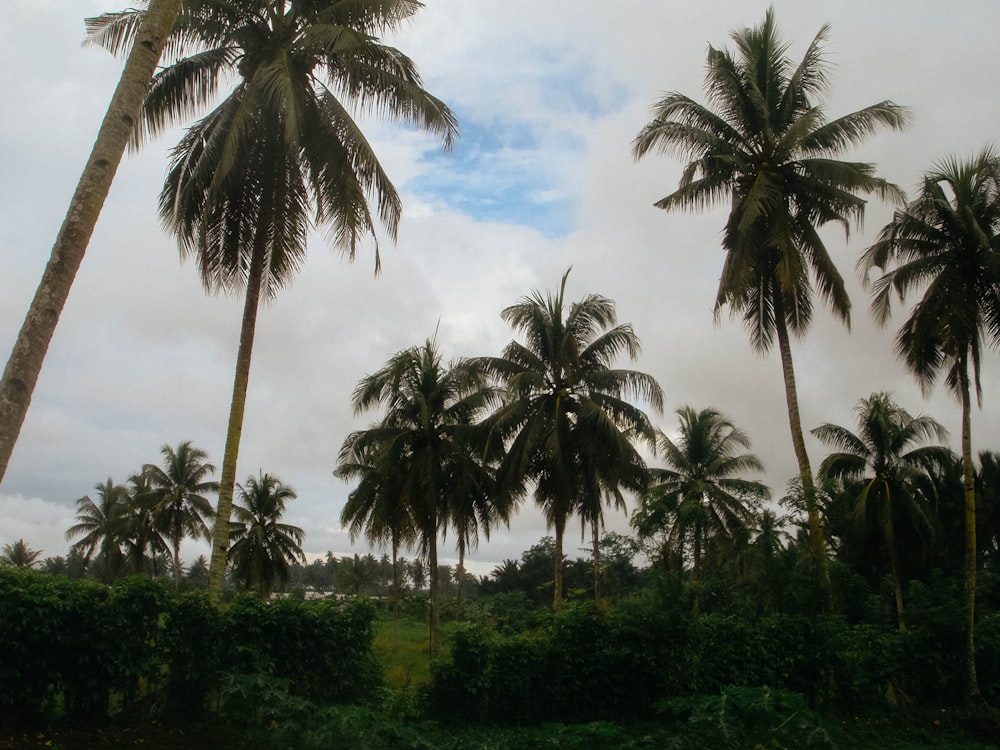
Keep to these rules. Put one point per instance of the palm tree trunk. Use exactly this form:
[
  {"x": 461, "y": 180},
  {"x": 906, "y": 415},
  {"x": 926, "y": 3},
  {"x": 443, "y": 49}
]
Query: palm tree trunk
[
  {"x": 241, "y": 381},
  {"x": 595, "y": 530},
  {"x": 460, "y": 576},
  {"x": 395, "y": 588},
  {"x": 25, "y": 363},
  {"x": 969, "y": 486},
  {"x": 434, "y": 619},
  {"x": 557, "y": 573},
  {"x": 177, "y": 556},
  {"x": 897, "y": 575},
  {"x": 816, "y": 541}
]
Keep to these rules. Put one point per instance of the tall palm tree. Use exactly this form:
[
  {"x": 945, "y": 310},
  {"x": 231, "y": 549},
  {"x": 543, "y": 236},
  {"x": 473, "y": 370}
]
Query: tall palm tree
[
  {"x": 101, "y": 526},
  {"x": 703, "y": 494},
  {"x": 764, "y": 147},
  {"x": 884, "y": 468},
  {"x": 424, "y": 435},
  {"x": 263, "y": 547},
  {"x": 566, "y": 424},
  {"x": 280, "y": 153},
  {"x": 25, "y": 362},
  {"x": 178, "y": 495},
  {"x": 946, "y": 242}
]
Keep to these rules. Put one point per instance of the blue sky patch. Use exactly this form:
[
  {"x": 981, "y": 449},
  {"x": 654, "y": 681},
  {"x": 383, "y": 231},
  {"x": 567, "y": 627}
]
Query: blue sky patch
[{"x": 501, "y": 173}]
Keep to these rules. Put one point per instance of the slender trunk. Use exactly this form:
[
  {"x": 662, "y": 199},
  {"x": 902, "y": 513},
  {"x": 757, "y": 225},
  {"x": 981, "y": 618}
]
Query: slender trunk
[
  {"x": 432, "y": 562},
  {"x": 557, "y": 574},
  {"x": 224, "y": 510},
  {"x": 969, "y": 486},
  {"x": 460, "y": 576},
  {"x": 177, "y": 557},
  {"x": 697, "y": 555},
  {"x": 595, "y": 529},
  {"x": 816, "y": 541},
  {"x": 897, "y": 575},
  {"x": 25, "y": 363},
  {"x": 395, "y": 589}
]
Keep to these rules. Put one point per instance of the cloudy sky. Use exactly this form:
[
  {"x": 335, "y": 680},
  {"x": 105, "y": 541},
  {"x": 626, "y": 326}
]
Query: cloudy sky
[{"x": 549, "y": 96}]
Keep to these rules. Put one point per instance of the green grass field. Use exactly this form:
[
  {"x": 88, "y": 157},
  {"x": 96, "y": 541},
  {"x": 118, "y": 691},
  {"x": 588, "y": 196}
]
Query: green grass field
[{"x": 402, "y": 645}]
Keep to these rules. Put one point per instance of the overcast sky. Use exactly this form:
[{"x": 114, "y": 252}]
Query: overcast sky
[{"x": 549, "y": 95}]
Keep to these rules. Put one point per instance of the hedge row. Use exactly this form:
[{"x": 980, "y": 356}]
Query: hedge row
[
  {"x": 621, "y": 666},
  {"x": 82, "y": 651}
]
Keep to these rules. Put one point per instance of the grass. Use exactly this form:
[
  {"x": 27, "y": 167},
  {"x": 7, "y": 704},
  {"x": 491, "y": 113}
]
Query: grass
[{"x": 403, "y": 647}]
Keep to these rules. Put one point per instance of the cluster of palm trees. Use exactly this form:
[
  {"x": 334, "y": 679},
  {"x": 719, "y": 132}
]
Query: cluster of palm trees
[
  {"x": 886, "y": 498},
  {"x": 458, "y": 446},
  {"x": 135, "y": 527},
  {"x": 763, "y": 146},
  {"x": 280, "y": 154}
]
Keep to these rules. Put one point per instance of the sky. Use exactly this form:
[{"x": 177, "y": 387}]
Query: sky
[{"x": 549, "y": 96}]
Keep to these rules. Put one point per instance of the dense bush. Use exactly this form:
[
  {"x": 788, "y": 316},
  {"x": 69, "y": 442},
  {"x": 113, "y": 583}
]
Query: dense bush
[
  {"x": 83, "y": 652},
  {"x": 589, "y": 665}
]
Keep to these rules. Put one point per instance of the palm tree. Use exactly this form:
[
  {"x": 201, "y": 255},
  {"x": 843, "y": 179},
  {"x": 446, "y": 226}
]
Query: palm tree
[
  {"x": 376, "y": 508},
  {"x": 20, "y": 555},
  {"x": 764, "y": 147},
  {"x": 178, "y": 496},
  {"x": 474, "y": 506},
  {"x": 280, "y": 153},
  {"x": 885, "y": 471},
  {"x": 702, "y": 495},
  {"x": 423, "y": 440},
  {"x": 947, "y": 243},
  {"x": 101, "y": 525},
  {"x": 25, "y": 363},
  {"x": 263, "y": 548},
  {"x": 566, "y": 424},
  {"x": 140, "y": 532}
]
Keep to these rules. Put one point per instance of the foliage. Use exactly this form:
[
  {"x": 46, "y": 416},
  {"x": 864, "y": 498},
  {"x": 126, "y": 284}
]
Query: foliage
[
  {"x": 19, "y": 554},
  {"x": 263, "y": 548},
  {"x": 749, "y": 718},
  {"x": 566, "y": 425},
  {"x": 702, "y": 497},
  {"x": 83, "y": 652},
  {"x": 764, "y": 147}
]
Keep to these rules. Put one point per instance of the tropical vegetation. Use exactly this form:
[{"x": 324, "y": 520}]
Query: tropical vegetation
[
  {"x": 947, "y": 243},
  {"x": 764, "y": 147},
  {"x": 419, "y": 465},
  {"x": 566, "y": 425},
  {"x": 263, "y": 548},
  {"x": 867, "y": 597}
]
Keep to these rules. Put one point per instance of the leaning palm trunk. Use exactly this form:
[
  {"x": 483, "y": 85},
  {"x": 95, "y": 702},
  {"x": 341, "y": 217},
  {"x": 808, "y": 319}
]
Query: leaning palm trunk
[
  {"x": 816, "y": 542},
  {"x": 25, "y": 363},
  {"x": 969, "y": 486},
  {"x": 241, "y": 381}
]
